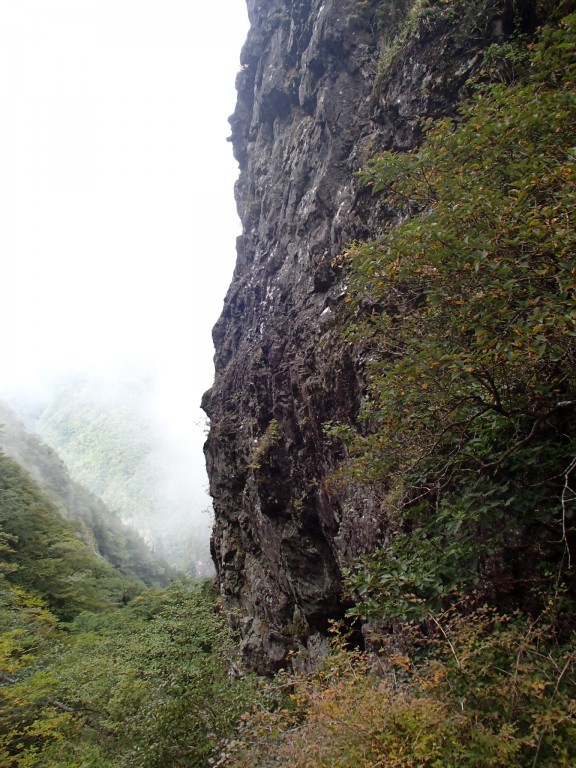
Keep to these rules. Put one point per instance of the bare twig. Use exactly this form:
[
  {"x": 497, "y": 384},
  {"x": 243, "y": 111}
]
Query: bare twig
[
  {"x": 564, "y": 499},
  {"x": 441, "y": 628}
]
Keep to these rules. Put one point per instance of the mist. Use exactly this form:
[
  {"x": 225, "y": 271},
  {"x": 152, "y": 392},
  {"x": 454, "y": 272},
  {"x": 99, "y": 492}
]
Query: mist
[{"x": 117, "y": 219}]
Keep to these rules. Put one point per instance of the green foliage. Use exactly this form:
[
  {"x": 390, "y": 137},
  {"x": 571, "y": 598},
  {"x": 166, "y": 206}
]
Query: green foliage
[
  {"x": 486, "y": 691},
  {"x": 28, "y": 720},
  {"x": 507, "y": 62},
  {"x": 47, "y": 554},
  {"x": 398, "y": 21},
  {"x": 145, "y": 686},
  {"x": 155, "y": 678},
  {"x": 471, "y": 327}
]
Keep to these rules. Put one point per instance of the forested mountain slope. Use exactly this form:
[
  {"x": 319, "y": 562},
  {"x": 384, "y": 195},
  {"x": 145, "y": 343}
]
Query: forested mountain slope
[
  {"x": 96, "y": 668},
  {"x": 100, "y": 529},
  {"x": 53, "y": 557},
  {"x": 111, "y": 436}
]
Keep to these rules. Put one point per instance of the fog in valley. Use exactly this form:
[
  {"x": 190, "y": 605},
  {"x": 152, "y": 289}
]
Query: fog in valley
[{"x": 117, "y": 235}]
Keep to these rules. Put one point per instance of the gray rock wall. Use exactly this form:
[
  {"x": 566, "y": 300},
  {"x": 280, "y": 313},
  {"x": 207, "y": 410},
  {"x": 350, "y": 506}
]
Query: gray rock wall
[{"x": 307, "y": 117}]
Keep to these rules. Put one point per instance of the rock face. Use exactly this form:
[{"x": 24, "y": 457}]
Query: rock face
[{"x": 311, "y": 110}]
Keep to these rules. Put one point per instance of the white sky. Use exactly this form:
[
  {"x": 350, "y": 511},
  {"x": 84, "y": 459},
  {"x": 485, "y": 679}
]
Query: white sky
[{"x": 117, "y": 220}]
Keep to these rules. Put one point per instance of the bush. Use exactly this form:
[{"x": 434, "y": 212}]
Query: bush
[
  {"x": 467, "y": 311},
  {"x": 485, "y": 691}
]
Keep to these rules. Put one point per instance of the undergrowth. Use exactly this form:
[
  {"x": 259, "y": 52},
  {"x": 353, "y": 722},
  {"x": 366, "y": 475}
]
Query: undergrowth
[{"x": 481, "y": 691}]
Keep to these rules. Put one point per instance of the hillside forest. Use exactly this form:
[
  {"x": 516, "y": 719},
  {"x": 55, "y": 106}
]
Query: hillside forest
[
  {"x": 467, "y": 305},
  {"x": 108, "y": 431}
]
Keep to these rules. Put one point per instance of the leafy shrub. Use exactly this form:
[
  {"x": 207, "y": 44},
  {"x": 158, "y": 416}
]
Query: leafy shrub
[
  {"x": 486, "y": 691},
  {"x": 467, "y": 309},
  {"x": 28, "y": 720}
]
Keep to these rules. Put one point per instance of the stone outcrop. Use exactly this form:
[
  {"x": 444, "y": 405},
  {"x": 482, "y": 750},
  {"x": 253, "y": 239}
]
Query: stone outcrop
[{"x": 308, "y": 116}]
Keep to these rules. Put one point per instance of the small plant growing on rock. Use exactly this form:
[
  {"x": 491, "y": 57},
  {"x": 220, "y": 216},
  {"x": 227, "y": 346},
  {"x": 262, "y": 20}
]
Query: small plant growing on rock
[{"x": 270, "y": 438}]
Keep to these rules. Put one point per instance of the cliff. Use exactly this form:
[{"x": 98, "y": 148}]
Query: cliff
[{"x": 322, "y": 87}]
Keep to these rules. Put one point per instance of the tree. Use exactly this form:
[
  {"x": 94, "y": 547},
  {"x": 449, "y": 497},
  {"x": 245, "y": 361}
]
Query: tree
[{"x": 469, "y": 412}]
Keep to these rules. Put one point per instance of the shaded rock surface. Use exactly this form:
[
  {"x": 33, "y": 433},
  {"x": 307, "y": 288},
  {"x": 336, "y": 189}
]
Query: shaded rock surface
[{"x": 308, "y": 116}]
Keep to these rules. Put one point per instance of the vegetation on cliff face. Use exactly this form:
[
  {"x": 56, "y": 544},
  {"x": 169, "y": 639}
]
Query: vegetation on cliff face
[
  {"x": 309, "y": 115},
  {"x": 468, "y": 311}
]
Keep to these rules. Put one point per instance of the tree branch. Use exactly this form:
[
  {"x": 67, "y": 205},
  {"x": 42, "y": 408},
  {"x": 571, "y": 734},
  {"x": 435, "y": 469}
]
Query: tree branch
[
  {"x": 543, "y": 417},
  {"x": 89, "y": 721}
]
